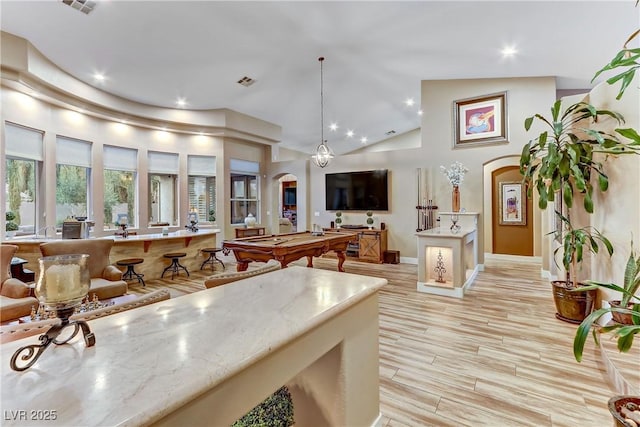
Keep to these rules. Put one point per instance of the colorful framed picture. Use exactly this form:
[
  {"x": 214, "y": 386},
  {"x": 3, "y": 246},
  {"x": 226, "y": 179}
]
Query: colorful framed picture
[
  {"x": 480, "y": 120},
  {"x": 513, "y": 205}
]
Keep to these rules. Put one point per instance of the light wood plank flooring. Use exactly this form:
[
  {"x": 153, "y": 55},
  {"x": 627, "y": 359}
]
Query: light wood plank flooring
[{"x": 497, "y": 357}]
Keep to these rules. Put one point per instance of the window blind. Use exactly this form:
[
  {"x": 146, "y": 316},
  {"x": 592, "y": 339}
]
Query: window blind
[
  {"x": 73, "y": 152},
  {"x": 23, "y": 142},
  {"x": 201, "y": 165},
  {"x": 237, "y": 165},
  {"x": 163, "y": 162},
  {"x": 118, "y": 158}
]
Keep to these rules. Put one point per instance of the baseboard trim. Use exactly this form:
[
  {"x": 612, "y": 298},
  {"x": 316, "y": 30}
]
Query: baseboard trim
[
  {"x": 519, "y": 258},
  {"x": 378, "y": 421}
]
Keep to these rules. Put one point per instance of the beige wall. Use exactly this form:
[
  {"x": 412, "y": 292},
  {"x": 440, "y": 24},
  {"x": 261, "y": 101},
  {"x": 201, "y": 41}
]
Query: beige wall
[{"x": 617, "y": 212}]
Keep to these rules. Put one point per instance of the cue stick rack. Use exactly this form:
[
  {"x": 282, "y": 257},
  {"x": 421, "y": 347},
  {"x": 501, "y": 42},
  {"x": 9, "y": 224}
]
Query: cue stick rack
[{"x": 425, "y": 206}]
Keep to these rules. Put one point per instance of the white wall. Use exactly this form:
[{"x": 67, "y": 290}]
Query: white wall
[{"x": 52, "y": 120}]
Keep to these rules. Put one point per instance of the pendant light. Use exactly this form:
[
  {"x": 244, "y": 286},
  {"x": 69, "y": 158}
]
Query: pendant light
[{"x": 323, "y": 153}]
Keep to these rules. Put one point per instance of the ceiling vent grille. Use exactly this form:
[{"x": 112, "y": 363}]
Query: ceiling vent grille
[
  {"x": 389, "y": 133},
  {"x": 84, "y": 6},
  {"x": 246, "y": 81}
]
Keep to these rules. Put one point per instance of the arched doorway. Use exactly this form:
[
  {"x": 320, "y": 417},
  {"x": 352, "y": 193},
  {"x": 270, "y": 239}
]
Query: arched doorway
[
  {"x": 512, "y": 225},
  {"x": 507, "y": 170}
]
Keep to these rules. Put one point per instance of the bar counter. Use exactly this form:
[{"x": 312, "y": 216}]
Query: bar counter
[
  {"x": 150, "y": 247},
  {"x": 208, "y": 357}
]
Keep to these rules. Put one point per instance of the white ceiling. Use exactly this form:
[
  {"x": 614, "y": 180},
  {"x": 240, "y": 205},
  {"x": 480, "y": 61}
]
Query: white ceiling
[{"x": 376, "y": 53}]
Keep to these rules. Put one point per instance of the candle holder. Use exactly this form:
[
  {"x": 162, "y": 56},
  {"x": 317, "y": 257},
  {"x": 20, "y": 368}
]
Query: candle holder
[
  {"x": 63, "y": 283},
  {"x": 455, "y": 227},
  {"x": 193, "y": 221}
]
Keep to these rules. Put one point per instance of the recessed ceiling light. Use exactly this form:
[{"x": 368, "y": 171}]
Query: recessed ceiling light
[
  {"x": 333, "y": 126},
  {"x": 363, "y": 140},
  {"x": 350, "y": 133},
  {"x": 419, "y": 112},
  {"x": 181, "y": 102},
  {"x": 99, "y": 77},
  {"x": 509, "y": 51},
  {"x": 409, "y": 102}
]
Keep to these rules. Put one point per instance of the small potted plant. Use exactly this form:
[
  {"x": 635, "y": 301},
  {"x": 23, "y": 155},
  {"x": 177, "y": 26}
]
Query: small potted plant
[
  {"x": 338, "y": 219},
  {"x": 10, "y": 226},
  {"x": 370, "y": 219},
  {"x": 212, "y": 215}
]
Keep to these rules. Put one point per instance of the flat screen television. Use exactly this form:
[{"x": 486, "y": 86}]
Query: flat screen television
[{"x": 357, "y": 191}]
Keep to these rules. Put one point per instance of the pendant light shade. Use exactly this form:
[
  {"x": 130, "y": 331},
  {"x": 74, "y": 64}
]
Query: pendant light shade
[{"x": 323, "y": 154}]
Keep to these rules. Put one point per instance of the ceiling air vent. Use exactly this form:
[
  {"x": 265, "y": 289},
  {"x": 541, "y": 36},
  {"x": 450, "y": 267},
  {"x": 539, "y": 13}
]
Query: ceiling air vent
[
  {"x": 391, "y": 132},
  {"x": 84, "y": 6},
  {"x": 246, "y": 81}
]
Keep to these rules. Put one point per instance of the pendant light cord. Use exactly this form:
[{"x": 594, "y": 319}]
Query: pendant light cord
[{"x": 321, "y": 59}]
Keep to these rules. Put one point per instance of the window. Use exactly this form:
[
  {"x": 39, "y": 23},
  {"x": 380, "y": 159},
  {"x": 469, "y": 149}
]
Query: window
[
  {"x": 163, "y": 180},
  {"x": 119, "y": 185},
  {"x": 202, "y": 187},
  {"x": 244, "y": 190},
  {"x": 24, "y": 155},
  {"x": 73, "y": 178}
]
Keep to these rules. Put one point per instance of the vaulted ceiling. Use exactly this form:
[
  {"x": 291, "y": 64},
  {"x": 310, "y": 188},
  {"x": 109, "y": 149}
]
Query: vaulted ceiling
[{"x": 377, "y": 53}]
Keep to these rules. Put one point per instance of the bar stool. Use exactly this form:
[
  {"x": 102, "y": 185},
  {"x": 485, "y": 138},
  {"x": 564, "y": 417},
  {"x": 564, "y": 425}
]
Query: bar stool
[
  {"x": 213, "y": 259},
  {"x": 131, "y": 274},
  {"x": 175, "y": 265}
]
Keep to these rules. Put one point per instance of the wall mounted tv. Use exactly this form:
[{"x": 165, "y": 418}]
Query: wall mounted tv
[{"x": 357, "y": 191}]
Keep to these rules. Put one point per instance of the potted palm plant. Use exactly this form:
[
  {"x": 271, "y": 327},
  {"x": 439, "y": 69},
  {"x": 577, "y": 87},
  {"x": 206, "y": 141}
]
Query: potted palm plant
[{"x": 562, "y": 162}]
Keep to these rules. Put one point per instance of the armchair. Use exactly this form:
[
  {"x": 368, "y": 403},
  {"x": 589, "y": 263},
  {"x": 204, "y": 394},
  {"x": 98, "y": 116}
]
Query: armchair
[
  {"x": 15, "y": 299},
  {"x": 106, "y": 279}
]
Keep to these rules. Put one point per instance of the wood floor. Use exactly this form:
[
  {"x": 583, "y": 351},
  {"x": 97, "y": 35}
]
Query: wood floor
[{"x": 497, "y": 357}]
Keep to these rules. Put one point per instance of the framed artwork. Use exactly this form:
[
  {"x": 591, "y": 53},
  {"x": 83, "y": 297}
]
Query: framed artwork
[
  {"x": 513, "y": 205},
  {"x": 480, "y": 120}
]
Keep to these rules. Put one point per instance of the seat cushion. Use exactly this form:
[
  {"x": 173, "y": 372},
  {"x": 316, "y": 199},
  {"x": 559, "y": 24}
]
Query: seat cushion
[
  {"x": 13, "y": 308},
  {"x": 107, "y": 288},
  {"x": 97, "y": 249}
]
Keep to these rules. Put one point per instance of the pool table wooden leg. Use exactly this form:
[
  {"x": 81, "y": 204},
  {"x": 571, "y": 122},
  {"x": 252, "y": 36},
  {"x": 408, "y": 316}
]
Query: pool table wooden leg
[
  {"x": 242, "y": 266},
  {"x": 341, "y": 259},
  {"x": 310, "y": 261}
]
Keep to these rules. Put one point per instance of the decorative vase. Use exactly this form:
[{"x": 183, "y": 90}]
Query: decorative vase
[
  {"x": 250, "y": 220},
  {"x": 455, "y": 199}
]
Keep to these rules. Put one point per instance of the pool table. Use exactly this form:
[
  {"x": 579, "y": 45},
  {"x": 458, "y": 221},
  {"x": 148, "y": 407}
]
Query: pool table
[{"x": 289, "y": 247}]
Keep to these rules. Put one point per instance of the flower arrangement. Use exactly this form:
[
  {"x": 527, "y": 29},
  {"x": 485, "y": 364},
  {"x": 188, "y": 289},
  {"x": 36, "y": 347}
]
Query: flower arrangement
[{"x": 455, "y": 174}]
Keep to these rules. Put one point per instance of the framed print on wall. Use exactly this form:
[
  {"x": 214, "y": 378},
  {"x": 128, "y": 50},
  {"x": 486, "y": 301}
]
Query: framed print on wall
[
  {"x": 513, "y": 205},
  {"x": 480, "y": 120}
]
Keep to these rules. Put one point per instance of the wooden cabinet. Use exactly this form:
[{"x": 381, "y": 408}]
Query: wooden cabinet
[
  {"x": 368, "y": 245},
  {"x": 372, "y": 244}
]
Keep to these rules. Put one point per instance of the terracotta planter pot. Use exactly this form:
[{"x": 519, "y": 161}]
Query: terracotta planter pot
[
  {"x": 624, "y": 319},
  {"x": 616, "y": 404},
  {"x": 572, "y": 306}
]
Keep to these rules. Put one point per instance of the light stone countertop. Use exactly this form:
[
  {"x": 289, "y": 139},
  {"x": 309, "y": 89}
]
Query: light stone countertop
[
  {"x": 151, "y": 361},
  {"x": 131, "y": 238}
]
